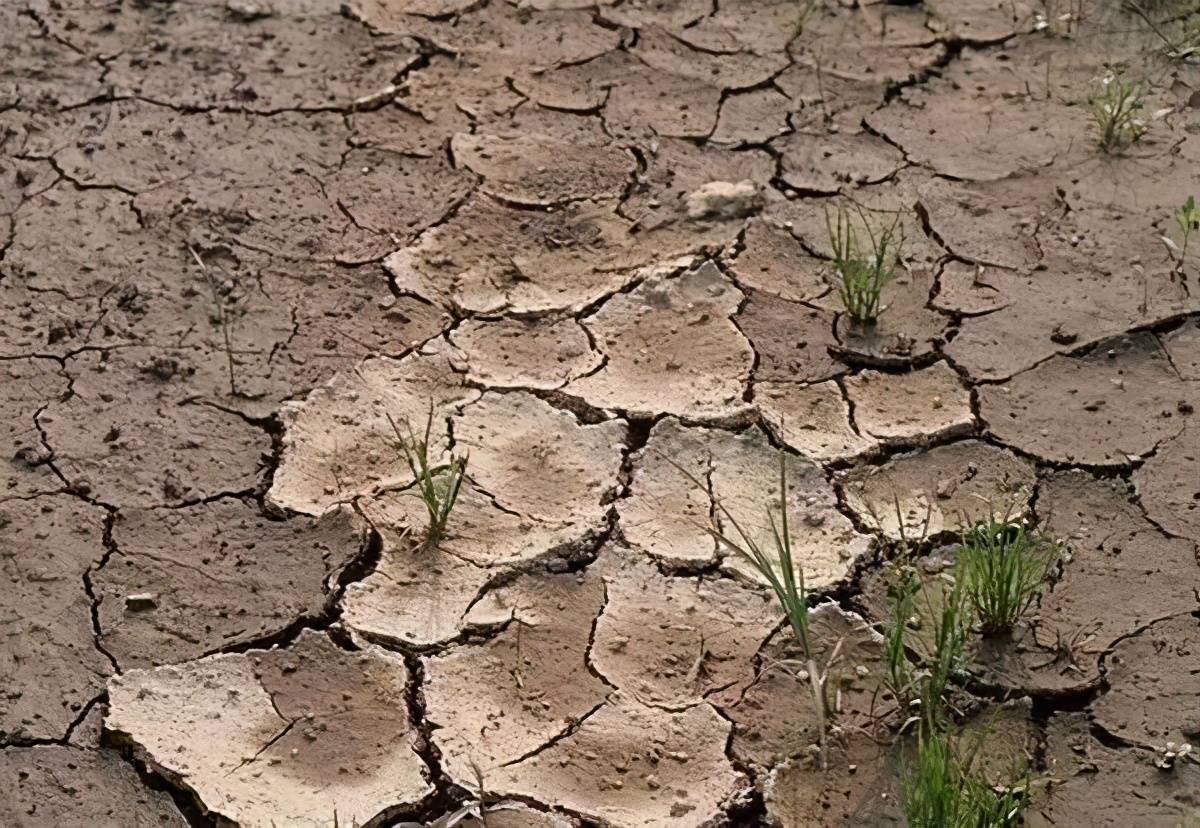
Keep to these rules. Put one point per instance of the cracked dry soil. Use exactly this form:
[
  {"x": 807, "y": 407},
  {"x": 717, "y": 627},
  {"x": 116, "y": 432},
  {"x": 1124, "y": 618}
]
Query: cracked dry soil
[{"x": 237, "y": 235}]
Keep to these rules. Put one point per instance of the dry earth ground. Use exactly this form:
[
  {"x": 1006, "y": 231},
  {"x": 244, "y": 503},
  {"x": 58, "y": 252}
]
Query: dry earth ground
[{"x": 236, "y": 235}]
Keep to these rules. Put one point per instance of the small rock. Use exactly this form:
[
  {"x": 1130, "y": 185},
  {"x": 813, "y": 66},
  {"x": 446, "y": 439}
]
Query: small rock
[
  {"x": 141, "y": 601},
  {"x": 724, "y": 200},
  {"x": 247, "y": 10}
]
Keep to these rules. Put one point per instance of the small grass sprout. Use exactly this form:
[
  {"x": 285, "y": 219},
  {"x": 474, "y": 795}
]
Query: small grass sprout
[
  {"x": 902, "y": 591},
  {"x": 437, "y": 485},
  {"x": 1188, "y": 219},
  {"x": 951, "y": 628},
  {"x": 863, "y": 270},
  {"x": 1115, "y": 109},
  {"x": 1001, "y": 566}
]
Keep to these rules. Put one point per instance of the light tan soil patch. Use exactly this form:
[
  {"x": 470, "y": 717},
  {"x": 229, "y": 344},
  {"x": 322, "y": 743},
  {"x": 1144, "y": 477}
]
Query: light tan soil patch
[
  {"x": 699, "y": 363},
  {"x": 923, "y": 405},
  {"x": 667, "y": 510},
  {"x": 288, "y": 734}
]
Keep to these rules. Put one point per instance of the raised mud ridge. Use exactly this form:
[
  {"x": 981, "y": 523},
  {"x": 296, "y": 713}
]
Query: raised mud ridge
[{"x": 587, "y": 237}]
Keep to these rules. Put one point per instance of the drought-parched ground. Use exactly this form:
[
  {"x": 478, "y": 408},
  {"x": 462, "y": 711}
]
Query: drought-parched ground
[{"x": 237, "y": 235}]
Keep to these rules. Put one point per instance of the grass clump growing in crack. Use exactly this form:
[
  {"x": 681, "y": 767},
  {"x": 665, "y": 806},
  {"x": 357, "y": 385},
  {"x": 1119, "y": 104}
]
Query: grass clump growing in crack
[
  {"x": 863, "y": 268},
  {"x": 1115, "y": 109},
  {"x": 997, "y": 575},
  {"x": 1001, "y": 566},
  {"x": 436, "y": 485},
  {"x": 940, "y": 789}
]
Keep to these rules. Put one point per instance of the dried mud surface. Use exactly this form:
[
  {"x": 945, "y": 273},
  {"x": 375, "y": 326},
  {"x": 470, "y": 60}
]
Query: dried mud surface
[{"x": 586, "y": 239}]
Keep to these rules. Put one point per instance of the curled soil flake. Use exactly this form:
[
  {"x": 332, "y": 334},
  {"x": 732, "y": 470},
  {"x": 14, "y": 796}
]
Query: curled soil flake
[
  {"x": 537, "y": 482},
  {"x": 745, "y": 478},
  {"x": 753, "y": 117},
  {"x": 666, "y": 514},
  {"x": 489, "y": 258},
  {"x": 517, "y": 353},
  {"x": 339, "y": 443},
  {"x": 698, "y": 363},
  {"x": 672, "y": 641},
  {"x": 286, "y": 735},
  {"x": 919, "y": 406},
  {"x": 1108, "y": 407},
  {"x": 187, "y": 582},
  {"x": 47, "y": 651},
  {"x": 943, "y": 489},
  {"x": 634, "y": 766},
  {"x": 971, "y": 289},
  {"x": 415, "y": 597},
  {"x": 537, "y": 460},
  {"x": 58, "y": 785},
  {"x": 825, "y": 163},
  {"x": 496, "y": 702},
  {"x": 1119, "y": 264},
  {"x": 812, "y": 419}
]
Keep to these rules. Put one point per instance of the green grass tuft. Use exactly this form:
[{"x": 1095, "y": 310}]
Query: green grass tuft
[
  {"x": 1002, "y": 565},
  {"x": 1115, "y": 109},
  {"x": 436, "y": 485},
  {"x": 938, "y": 791},
  {"x": 863, "y": 270}
]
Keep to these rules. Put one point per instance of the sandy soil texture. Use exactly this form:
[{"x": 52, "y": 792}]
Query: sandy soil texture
[{"x": 240, "y": 238}]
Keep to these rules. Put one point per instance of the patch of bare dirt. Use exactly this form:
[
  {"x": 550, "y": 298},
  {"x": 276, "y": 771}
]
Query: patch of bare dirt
[{"x": 247, "y": 245}]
